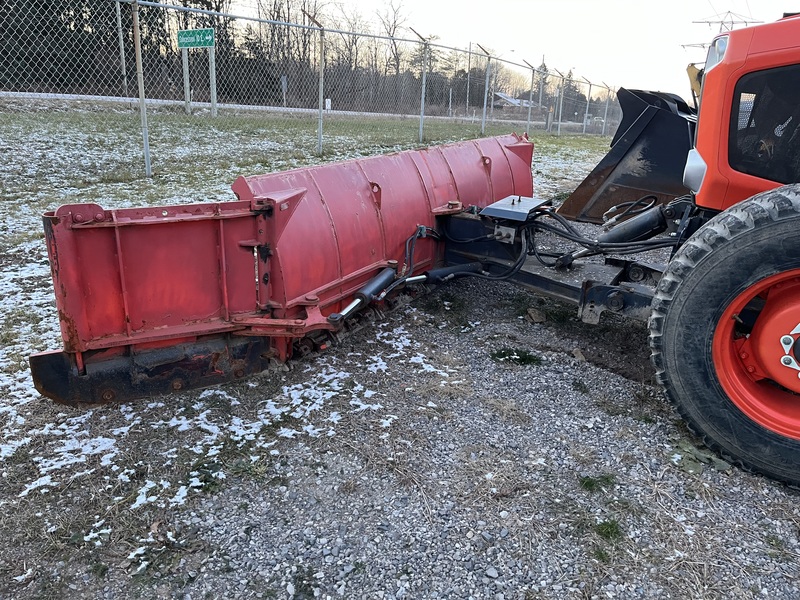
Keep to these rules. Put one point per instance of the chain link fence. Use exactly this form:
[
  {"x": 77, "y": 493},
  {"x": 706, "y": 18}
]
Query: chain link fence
[{"x": 174, "y": 85}]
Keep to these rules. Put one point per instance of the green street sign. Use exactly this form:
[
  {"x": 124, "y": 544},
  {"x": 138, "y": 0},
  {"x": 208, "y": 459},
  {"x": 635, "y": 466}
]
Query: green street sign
[{"x": 196, "y": 38}]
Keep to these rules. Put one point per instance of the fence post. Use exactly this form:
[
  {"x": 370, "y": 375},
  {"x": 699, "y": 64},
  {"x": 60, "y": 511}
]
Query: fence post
[
  {"x": 469, "y": 68},
  {"x": 121, "y": 38},
  {"x": 485, "y": 87},
  {"x": 212, "y": 79},
  {"x": 137, "y": 43},
  {"x": 450, "y": 103},
  {"x": 541, "y": 88},
  {"x": 492, "y": 86},
  {"x": 321, "y": 88},
  {"x": 530, "y": 97},
  {"x": 321, "y": 84},
  {"x": 588, "y": 100},
  {"x": 486, "y": 92},
  {"x": 425, "y": 50},
  {"x": 605, "y": 114},
  {"x": 559, "y": 107}
]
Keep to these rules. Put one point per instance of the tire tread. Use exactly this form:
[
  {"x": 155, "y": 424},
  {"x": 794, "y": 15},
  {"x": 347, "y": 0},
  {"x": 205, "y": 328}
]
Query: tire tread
[{"x": 763, "y": 209}]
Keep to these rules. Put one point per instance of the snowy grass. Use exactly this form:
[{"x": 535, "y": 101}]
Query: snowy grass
[{"x": 76, "y": 482}]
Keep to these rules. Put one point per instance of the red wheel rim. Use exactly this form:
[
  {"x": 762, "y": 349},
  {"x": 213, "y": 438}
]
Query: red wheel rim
[{"x": 754, "y": 360}]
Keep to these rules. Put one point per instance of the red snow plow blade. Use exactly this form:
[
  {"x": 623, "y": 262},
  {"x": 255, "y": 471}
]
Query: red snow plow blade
[{"x": 155, "y": 300}]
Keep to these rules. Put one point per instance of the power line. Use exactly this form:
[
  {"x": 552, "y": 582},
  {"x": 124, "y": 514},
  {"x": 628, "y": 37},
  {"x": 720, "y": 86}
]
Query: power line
[{"x": 728, "y": 21}]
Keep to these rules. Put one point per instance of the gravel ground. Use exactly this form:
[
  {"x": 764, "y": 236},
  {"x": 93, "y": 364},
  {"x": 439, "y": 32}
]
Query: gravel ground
[
  {"x": 440, "y": 468},
  {"x": 497, "y": 480}
]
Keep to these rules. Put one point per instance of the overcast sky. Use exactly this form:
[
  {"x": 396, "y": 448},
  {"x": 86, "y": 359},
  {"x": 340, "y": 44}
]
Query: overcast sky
[{"x": 624, "y": 43}]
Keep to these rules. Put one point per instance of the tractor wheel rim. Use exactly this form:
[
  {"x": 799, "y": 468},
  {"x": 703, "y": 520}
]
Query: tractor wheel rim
[{"x": 757, "y": 368}]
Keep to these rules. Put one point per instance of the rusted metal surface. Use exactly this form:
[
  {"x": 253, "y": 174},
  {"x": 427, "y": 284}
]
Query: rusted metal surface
[
  {"x": 163, "y": 286},
  {"x": 151, "y": 372}
]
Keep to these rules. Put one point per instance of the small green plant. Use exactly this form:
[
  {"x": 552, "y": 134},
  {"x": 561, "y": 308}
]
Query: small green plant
[
  {"x": 559, "y": 197},
  {"x": 303, "y": 582},
  {"x": 609, "y": 530},
  {"x": 579, "y": 386},
  {"x": 778, "y": 548},
  {"x": 520, "y": 303},
  {"x": 207, "y": 475},
  {"x": 99, "y": 569},
  {"x": 594, "y": 484},
  {"x": 245, "y": 467},
  {"x": 516, "y": 356},
  {"x": 448, "y": 305},
  {"x": 7, "y": 336},
  {"x": 556, "y": 312},
  {"x": 600, "y": 554}
]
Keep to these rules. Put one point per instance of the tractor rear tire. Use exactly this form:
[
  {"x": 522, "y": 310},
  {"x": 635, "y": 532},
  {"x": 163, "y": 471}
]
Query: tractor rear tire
[{"x": 724, "y": 333}]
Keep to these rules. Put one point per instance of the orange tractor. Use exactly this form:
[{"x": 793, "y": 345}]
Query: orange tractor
[{"x": 156, "y": 300}]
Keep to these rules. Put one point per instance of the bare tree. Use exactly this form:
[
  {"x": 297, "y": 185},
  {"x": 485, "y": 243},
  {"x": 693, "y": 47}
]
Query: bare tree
[{"x": 392, "y": 20}]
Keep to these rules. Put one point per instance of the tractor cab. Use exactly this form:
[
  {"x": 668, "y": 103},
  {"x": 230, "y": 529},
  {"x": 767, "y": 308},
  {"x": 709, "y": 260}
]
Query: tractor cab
[{"x": 747, "y": 138}]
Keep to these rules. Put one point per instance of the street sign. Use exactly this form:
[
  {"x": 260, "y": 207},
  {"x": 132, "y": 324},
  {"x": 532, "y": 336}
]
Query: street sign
[{"x": 196, "y": 38}]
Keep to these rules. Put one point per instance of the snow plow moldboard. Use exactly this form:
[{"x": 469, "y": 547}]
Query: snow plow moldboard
[{"x": 160, "y": 299}]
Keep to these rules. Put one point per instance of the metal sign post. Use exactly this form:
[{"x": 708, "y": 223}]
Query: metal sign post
[
  {"x": 187, "y": 90},
  {"x": 198, "y": 38}
]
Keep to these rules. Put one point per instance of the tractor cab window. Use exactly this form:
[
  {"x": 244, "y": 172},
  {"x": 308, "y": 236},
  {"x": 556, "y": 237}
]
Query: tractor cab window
[{"x": 765, "y": 125}]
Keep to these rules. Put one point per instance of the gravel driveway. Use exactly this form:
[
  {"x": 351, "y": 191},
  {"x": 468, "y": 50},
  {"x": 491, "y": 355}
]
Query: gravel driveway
[{"x": 450, "y": 473}]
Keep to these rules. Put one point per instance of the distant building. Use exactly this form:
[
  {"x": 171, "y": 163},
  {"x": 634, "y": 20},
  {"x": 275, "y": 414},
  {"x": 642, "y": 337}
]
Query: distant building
[{"x": 501, "y": 100}]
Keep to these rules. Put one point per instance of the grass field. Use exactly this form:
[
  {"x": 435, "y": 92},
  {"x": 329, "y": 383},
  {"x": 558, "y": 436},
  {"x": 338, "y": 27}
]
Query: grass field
[{"x": 75, "y": 154}]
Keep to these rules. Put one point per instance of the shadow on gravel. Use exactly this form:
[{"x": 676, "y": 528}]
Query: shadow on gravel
[{"x": 616, "y": 344}]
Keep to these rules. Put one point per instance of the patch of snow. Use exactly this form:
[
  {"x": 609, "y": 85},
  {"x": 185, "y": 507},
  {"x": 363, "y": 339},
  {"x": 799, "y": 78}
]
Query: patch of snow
[
  {"x": 44, "y": 481},
  {"x": 143, "y": 497}
]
